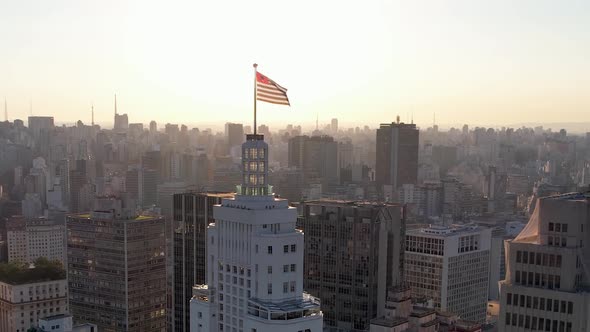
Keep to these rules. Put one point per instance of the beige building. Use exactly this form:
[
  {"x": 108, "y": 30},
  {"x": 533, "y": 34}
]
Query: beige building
[
  {"x": 29, "y": 239},
  {"x": 547, "y": 269},
  {"x": 22, "y": 305},
  {"x": 449, "y": 265}
]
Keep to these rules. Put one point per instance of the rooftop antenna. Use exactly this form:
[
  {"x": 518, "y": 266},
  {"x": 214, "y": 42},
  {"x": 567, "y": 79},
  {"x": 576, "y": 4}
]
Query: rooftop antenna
[
  {"x": 92, "y": 114},
  {"x": 115, "y": 104},
  {"x": 433, "y": 119},
  {"x": 412, "y": 120},
  {"x": 317, "y": 116}
]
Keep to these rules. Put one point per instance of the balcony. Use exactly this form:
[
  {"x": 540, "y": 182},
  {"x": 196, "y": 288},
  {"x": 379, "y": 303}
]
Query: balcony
[{"x": 305, "y": 307}]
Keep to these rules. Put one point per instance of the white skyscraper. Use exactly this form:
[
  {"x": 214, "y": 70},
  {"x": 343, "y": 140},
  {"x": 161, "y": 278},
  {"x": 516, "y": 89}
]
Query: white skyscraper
[{"x": 255, "y": 260}]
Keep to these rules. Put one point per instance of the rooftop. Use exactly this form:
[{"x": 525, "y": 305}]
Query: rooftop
[
  {"x": 445, "y": 231},
  {"x": 20, "y": 274}
]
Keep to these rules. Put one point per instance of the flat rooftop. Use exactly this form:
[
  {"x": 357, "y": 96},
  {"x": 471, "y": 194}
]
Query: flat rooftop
[{"x": 445, "y": 231}]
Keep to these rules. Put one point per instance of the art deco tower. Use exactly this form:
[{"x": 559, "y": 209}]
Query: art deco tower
[{"x": 255, "y": 260}]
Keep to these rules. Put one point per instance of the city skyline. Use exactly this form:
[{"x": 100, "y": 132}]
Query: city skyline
[{"x": 482, "y": 63}]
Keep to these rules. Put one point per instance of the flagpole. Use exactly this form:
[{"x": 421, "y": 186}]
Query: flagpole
[{"x": 255, "y": 72}]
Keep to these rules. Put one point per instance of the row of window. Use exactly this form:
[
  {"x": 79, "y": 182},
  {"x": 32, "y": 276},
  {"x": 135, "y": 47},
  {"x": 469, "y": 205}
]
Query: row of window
[
  {"x": 528, "y": 257},
  {"x": 253, "y": 153},
  {"x": 286, "y": 248},
  {"x": 234, "y": 269},
  {"x": 557, "y": 241},
  {"x": 542, "y": 280},
  {"x": 286, "y": 268},
  {"x": 557, "y": 227},
  {"x": 539, "y": 303},
  {"x": 537, "y": 323}
]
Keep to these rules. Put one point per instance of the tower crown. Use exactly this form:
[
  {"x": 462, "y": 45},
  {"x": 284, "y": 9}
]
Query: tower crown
[{"x": 254, "y": 167}]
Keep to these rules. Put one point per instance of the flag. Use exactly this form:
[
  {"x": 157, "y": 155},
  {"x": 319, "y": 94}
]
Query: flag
[{"x": 269, "y": 91}]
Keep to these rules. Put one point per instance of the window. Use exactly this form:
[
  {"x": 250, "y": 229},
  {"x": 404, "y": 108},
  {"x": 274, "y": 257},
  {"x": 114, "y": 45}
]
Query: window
[
  {"x": 293, "y": 247},
  {"x": 269, "y": 250},
  {"x": 551, "y": 227},
  {"x": 285, "y": 248},
  {"x": 292, "y": 286},
  {"x": 558, "y": 227},
  {"x": 509, "y": 298},
  {"x": 270, "y": 269},
  {"x": 286, "y": 268},
  {"x": 293, "y": 267},
  {"x": 269, "y": 288},
  {"x": 285, "y": 287},
  {"x": 519, "y": 256}
]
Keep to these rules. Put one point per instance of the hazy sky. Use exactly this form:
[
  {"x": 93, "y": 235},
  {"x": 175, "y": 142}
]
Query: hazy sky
[{"x": 487, "y": 62}]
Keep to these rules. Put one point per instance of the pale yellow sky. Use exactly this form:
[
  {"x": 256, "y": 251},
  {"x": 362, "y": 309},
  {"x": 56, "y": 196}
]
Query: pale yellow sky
[{"x": 486, "y": 62}]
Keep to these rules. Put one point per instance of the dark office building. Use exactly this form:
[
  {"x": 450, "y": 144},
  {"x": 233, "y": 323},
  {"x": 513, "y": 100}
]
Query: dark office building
[
  {"x": 234, "y": 133},
  {"x": 192, "y": 213},
  {"x": 117, "y": 270},
  {"x": 397, "y": 155},
  {"x": 317, "y": 156},
  {"x": 353, "y": 252}
]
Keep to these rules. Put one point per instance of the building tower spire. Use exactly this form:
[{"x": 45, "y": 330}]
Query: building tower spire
[
  {"x": 255, "y": 167},
  {"x": 92, "y": 108},
  {"x": 115, "y": 104},
  {"x": 5, "y": 110},
  {"x": 317, "y": 116}
]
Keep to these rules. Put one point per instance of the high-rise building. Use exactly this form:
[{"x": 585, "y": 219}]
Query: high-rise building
[
  {"x": 193, "y": 212},
  {"x": 397, "y": 155},
  {"x": 255, "y": 260},
  {"x": 234, "y": 133},
  {"x": 547, "y": 276},
  {"x": 353, "y": 253},
  {"x": 153, "y": 127},
  {"x": 121, "y": 123},
  {"x": 334, "y": 125},
  {"x": 317, "y": 156},
  {"x": 149, "y": 187},
  {"x": 117, "y": 268},
  {"x": 37, "y": 124},
  {"x": 450, "y": 266}
]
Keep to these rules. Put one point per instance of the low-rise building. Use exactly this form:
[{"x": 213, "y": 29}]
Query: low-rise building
[{"x": 28, "y": 294}]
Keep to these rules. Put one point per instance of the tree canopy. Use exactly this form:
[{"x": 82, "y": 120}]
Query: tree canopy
[{"x": 17, "y": 273}]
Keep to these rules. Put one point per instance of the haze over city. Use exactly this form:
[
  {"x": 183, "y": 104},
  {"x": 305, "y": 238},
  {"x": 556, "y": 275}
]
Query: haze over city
[
  {"x": 314, "y": 166},
  {"x": 479, "y": 62}
]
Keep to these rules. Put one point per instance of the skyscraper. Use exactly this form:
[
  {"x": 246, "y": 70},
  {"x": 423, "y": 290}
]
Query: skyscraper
[
  {"x": 193, "y": 212},
  {"x": 317, "y": 156},
  {"x": 353, "y": 254},
  {"x": 234, "y": 133},
  {"x": 547, "y": 276},
  {"x": 255, "y": 260},
  {"x": 397, "y": 155},
  {"x": 117, "y": 268}
]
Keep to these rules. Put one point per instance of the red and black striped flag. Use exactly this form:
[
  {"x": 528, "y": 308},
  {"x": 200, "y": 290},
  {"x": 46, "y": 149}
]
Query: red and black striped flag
[{"x": 269, "y": 91}]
